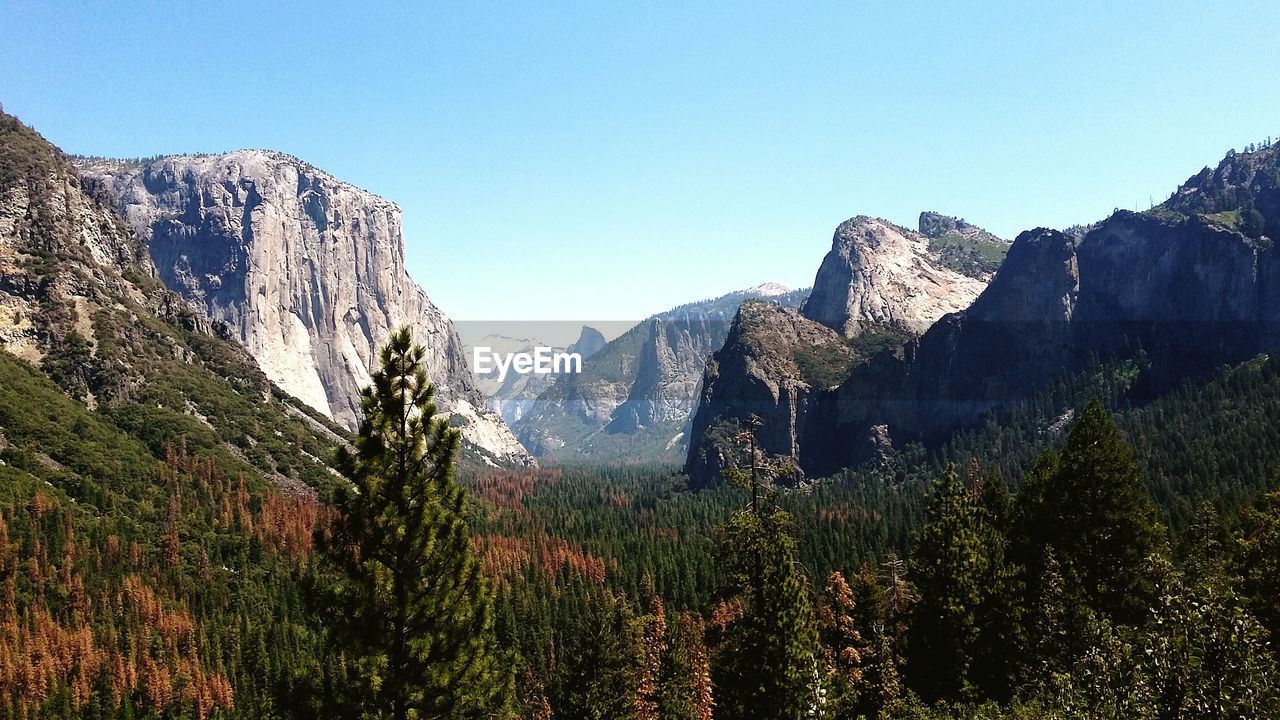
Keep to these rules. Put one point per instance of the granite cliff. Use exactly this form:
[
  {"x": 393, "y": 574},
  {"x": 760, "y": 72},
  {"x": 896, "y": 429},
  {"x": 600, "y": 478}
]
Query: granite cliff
[
  {"x": 107, "y": 371},
  {"x": 304, "y": 270},
  {"x": 878, "y": 274}
]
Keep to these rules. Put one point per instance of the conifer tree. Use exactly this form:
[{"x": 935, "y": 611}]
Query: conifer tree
[
  {"x": 1257, "y": 561},
  {"x": 843, "y": 649},
  {"x": 602, "y": 664},
  {"x": 878, "y": 619},
  {"x": 685, "y": 682},
  {"x": 767, "y": 668},
  {"x": 413, "y": 605},
  {"x": 949, "y": 568},
  {"x": 1000, "y": 617},
  {"x": 1097, "y": 514}
]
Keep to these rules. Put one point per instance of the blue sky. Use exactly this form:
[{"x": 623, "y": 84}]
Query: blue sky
[{"x": 603, "y": 160}]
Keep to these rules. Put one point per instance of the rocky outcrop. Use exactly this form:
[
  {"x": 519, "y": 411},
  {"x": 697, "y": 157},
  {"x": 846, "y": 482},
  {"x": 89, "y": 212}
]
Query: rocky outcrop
[
  {"x": 590, "y": 341},
  {"x": 1187, "y": 293},
  {"x": 761, "y": 372},
  {"x": 668, "y": 370},
  {"x": 880, "y": 275},
  {"x": 936, "y": 225},
  {"x": 306, "y": 271},
  {"x": 1242, "y": 193},
  {"x": 635, "y": 397},
  {"x": 879, "y": 285}
]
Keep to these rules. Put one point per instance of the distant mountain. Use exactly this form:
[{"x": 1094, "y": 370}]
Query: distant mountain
[
  {"x": 880, "y": 285},
  {"x": 634, "y": 397},
  {"x": 513, "y": 394},
  {"x": 1174, "y": 293},
  {"x": 306, "y": 271}
]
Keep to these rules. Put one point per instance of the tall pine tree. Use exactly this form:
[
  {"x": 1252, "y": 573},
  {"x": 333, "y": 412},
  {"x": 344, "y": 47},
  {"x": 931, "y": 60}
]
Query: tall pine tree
[
  {"x": 949, "y": 568},
  {"x": 767, "y": 667},
  {"x": 1096, "y": 512},
  {"x": 413, "y": 606}
]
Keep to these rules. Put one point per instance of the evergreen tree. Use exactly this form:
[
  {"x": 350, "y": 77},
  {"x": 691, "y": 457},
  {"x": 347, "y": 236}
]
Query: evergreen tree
[
  {"x": 767, "y": 668},
  {"x": 843, "y": 649},
  {"x": 1257, "y": 561},
  {"x": 949, "y": 568},
  {"x": 877, "y": 615},
  {"x": 685, "y": 683},
  {"x": 1095, "y": 511},
  {"x": 602, "y": 664},
  {"x": 1001, "y": 631},
  {"x": 413, "y": 605}
]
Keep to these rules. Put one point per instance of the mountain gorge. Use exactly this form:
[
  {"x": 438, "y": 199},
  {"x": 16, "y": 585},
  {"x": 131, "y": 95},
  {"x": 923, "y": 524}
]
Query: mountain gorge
[
  {"x": 512, "y": 395},
  {"x": 305, "y": 271},
  {"x": 635, "y": 396}
]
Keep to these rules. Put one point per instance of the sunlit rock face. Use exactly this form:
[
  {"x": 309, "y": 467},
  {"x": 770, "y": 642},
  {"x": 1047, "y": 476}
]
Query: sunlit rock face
[
  {"x": 308, "y": 273},
  {"x": 879, "y": 274}
]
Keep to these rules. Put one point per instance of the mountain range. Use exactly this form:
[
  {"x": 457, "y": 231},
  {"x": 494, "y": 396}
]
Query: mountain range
[
  {"x": 905, "y": 336},
  {"x": 1176, "y": 291}
]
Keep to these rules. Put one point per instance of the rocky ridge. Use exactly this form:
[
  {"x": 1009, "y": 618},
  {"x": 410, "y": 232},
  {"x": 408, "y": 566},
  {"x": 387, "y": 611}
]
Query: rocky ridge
[
  {"x": 64, "y": 252},
  {"x": 1175, "y": 292},
  {"x": 936, "y": 225}
]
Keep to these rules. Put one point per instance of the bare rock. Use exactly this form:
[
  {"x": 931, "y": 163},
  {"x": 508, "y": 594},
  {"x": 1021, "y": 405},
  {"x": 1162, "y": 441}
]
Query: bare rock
[{"x": 304, "y": 270}]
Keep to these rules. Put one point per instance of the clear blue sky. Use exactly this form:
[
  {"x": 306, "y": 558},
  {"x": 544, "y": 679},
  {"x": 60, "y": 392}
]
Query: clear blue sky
[{"x": 607, "y": 160}]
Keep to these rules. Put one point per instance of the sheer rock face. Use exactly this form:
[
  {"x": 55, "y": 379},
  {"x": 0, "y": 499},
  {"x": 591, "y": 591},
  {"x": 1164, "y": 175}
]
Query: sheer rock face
[
  {"x": 668, "y": 371},
  {"x": 1188, "y": 293},
  {"x": 306, "y": 271},
  {"x": 879, "y": 274}
]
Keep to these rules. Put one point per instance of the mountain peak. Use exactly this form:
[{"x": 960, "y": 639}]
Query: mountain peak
[
  {"x": 881, "y": 274},
  {"x": 768, "y": 289},
  {"x": 1241, "y": 193},
  {"x": 307, "y": 271}
]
